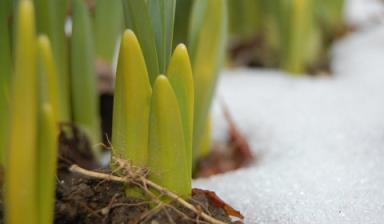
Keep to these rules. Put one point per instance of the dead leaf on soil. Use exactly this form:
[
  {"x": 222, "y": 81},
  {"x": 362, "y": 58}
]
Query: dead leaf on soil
[{"x": 219, "y": 202}]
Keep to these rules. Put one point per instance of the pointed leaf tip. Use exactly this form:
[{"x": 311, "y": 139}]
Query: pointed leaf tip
[
  {"x": 181, "y": 47},
  {"x": 162, "y": 84},
  {"x": 43, "y": 40},
  {"x": 161, "y": 81},
  {"x": 26, "y": 6},
  {"x": 129, "y": 36},
  {"x": 49, "y": 84},
  {"x": 181, "y": 52}
]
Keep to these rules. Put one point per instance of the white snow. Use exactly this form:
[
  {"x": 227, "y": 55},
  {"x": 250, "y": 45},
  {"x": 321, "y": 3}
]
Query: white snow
[
  {"x": 320, "y": 140},
  {"x": 362, "y": 13}
]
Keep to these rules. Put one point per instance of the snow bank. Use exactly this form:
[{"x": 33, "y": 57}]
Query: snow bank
[{"x": 321, "y": 140}]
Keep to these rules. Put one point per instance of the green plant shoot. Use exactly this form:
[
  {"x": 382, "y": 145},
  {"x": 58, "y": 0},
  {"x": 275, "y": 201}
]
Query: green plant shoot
[
  {"x": 5, "y": 76},
  {"x": 48, "y": 131},
  {"x": 46, "y": 164},
  {"x": 207, "y": 43},
  {"x": 205, "y": 145},
  {"x": 330, "y": 13},
  {"x": 131, "y": 103},
  {"x": 180, "y": 76},
  {"x": 295, "y": 31},
  {"x": 137, "y": 18},
  {"x": 153, "y": 23},
  {"x": 20, "y": 172},
  {"x": 108, "y": 26},
  {"x": 245, "y": 18},
  {"x": 50, "y": 19},
  {"x": 162, "y": 14},
  {"x": 294, "y": 61},
  {"x": 84, "y": 89},
  {"x": 49, "y": 77},
  {"x": 167, "y": 150}
]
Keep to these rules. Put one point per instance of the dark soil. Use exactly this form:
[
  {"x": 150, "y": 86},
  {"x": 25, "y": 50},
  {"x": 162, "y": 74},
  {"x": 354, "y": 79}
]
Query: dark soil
[
  {"x": 83, "y": 200},
  {"x": 88, "y": 201}
]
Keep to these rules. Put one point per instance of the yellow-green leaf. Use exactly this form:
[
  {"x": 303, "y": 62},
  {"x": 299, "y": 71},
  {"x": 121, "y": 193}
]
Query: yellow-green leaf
[
  {"x": 330, "y": 13},
  {"x": 5, "y": 75},
  {"x": 245, "y": 18},
  {"x": 108, "y": 27},
  {"x": 49, "y": 84},
  {"x": 167, "y": 151},
  {"x": 162, "y": 13},
  {"x": 46, "y": 163},
  {"x": 20, "y": 182},
  {"x": 205, "y": 145},
  {"x": 85, "y": 97},
  {"x": 180, "y": 76},
  {"x": 131, "y": 103},
  {"x": 50, "y": 19},
  {"x": 207, "y": 46},
  {"x": 137, "y": 18},
  {"x": 296, "y": 19}
]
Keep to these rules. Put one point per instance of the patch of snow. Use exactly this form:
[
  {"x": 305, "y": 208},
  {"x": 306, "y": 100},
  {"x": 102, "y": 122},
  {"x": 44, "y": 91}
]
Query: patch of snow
[
  {"x": 362, "y": 13},
  {"x": 321, "y": 140}
]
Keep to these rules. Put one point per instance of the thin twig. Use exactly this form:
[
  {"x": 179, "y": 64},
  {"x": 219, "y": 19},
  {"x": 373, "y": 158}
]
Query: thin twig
[{"x": 146, "y": 182}]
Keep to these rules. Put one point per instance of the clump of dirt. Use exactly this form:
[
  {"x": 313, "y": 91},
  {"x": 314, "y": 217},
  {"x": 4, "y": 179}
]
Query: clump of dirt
[
  {"x": 85, "y": 200},
  {"x": 74, "y": 148},
  {"x": 81, "y": 200}
]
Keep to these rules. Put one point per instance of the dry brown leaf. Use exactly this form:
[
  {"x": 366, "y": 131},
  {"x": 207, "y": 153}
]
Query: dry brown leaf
[{"x": 219, "y": 202}]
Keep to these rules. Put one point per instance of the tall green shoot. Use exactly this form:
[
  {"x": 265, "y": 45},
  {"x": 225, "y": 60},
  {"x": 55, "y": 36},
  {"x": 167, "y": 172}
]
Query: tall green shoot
[
  {"x": 167, "y": 150},
  {"x": 50, "y": 20},
  {"x": 245, "y": 18},
  {"x": 131, "y": 103},
  {"x": 137, "y": 18},
  {"x": 180, "y": 76},
  {"x": 162, "y": 13},
  {"x": 207, "y": 41},
  {"x": 5, "y": 75},
  {"x": 48, "y": 131},
  {"x": 330, "y": 13},
  {"x": 295, "y": 28},
  {"x": 47, "y": 155},
  {"x": 84, "y": 88},
  {"x": 20, "y": 172},
  {"x": 107, "y": 26},
  {"x": 153, "y": 23}
]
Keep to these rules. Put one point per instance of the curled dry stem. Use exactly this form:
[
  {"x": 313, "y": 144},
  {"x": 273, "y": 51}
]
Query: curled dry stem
[{"x": 137, "y": 175}]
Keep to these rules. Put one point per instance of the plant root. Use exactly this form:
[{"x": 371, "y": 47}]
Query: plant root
[{"x": 127, "y": 173}]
